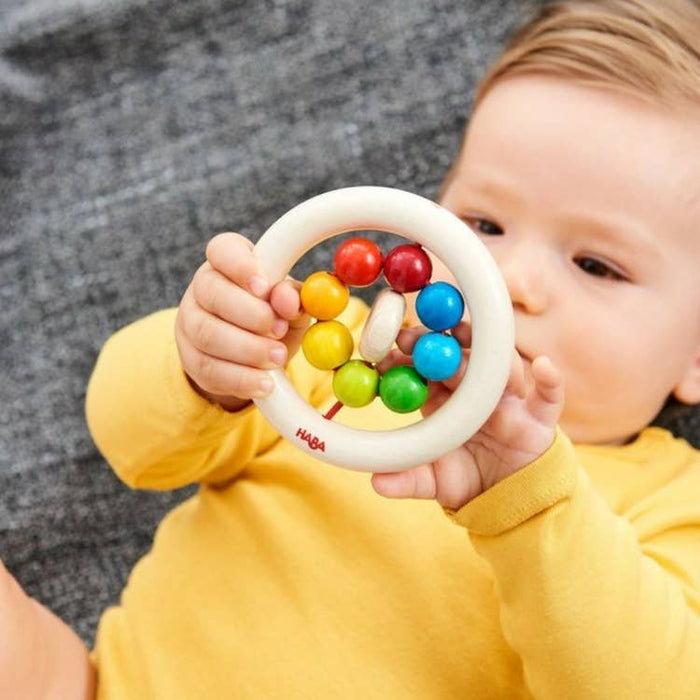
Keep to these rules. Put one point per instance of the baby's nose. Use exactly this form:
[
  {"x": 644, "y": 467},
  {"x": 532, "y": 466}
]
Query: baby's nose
[{"x": 525, "y": 273}]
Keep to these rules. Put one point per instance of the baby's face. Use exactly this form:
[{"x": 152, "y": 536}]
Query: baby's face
[{"x": 589, "y": 202}]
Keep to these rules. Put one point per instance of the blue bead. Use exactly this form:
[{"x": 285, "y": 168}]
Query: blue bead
[
  {"x": 440, "y": 306},
  {"x": 436, "y": 356}
]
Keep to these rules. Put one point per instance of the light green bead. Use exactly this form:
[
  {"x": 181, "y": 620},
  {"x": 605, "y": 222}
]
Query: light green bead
[{"x": 355, "y": 383}]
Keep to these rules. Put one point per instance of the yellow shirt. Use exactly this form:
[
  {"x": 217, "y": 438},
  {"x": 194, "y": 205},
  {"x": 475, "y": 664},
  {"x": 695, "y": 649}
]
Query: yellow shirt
[{"x": 284, "y": 577}]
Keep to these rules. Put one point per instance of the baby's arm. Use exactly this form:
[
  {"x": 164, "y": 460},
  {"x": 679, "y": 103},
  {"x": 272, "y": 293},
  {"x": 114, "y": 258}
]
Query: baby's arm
[
  {"x": 167, "y": 403},
  {"x": 596, "y": 605},
  {"x": 41, "y": 658}
]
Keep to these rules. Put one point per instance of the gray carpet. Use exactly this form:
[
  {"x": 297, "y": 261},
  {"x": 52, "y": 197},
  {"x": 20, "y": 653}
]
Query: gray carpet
[{"x": 130, "y": 133}]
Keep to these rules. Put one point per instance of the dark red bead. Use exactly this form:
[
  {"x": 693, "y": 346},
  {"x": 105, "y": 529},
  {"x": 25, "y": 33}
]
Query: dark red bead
[{"x": 407, "y": 268}]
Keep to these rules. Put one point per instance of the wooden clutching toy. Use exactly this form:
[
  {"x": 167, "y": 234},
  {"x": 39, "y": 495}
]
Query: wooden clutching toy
[{"x": 328, "y": 344}]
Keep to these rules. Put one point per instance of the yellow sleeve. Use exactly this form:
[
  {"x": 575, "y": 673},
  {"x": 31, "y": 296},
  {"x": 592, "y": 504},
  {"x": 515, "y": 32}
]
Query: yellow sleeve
[
  {"x": 596, "y": 606},
  {"x": 156, "y": 432}
]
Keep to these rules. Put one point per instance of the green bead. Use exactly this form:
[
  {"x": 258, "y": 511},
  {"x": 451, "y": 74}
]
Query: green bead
[
  {"x": 402, "y": 389},
  {"x": 355, "y": 383}
]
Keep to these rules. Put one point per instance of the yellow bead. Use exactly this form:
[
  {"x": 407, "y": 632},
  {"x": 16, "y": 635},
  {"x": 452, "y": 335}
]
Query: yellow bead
[
  {"x": 324, "y": 295},
  {"x": 327, "y": 344}
]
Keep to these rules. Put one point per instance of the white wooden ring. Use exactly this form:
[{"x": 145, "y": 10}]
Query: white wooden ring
[{"x": 438, "y": 230}]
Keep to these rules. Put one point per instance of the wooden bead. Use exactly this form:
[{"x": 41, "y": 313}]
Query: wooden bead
[
  {"x": 402, "y": 389},
  {"x": 436, "y": 356},
  {"x": 324, "y": 296},
  {"x": 407, "y": 268},
  {"x": 439, "y": 306},
  {"x": 355, "y": 383},
  {"x": 382, "y": 325},
  {"x": 358, "y": 262},
  {"x": 327, "y": 344}
]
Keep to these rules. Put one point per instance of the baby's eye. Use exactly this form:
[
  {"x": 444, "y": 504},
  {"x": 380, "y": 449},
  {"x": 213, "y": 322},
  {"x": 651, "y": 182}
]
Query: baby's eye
[
  {"x": 598, "y": 268},
  {"x": 485, "y": 226}
]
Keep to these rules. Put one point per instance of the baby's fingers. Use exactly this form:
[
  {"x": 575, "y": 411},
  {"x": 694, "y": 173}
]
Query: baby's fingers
[
  {"x": 452, "y": 481},
  {"x": 222, "y": 381},
  {"x": 546, "y": 400},
  {"x": 517, "y": 383},
  {"x": 220, "y": 297},
  {"x": 419, "y": 482},
  {"x": 463, "y": 333},
  {"x": 408, "y": 337},
  {"x": 286, "y": 300},
  {"x": 286, "y": 303},
  {"x": 232, "y": 255},
  {"x": 215, "y": 337},
  {"x": 394, "y": 358}
]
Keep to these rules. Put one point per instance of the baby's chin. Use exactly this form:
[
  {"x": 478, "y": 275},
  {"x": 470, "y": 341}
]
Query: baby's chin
[{"x": 595, "y": 432}]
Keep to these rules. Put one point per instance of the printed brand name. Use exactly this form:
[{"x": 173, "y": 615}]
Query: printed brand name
[{"x": 313, "y": 442}]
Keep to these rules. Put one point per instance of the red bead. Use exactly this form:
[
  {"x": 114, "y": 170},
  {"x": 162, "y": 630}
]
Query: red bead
[
  {"x": 358, "y": 262},
  {"x": 407, "y": 268}
]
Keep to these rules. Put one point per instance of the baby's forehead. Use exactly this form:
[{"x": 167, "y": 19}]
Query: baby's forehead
[{"x": 619, "y": 139}]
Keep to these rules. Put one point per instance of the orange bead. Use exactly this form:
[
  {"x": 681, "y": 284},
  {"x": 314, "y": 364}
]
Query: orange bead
[
  {"x": 327, "y": 344},
  {"x": 324, "y": 296}
]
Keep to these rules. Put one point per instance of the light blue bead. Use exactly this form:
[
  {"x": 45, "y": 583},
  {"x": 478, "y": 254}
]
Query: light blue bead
[
  {"x": 440, "y": 306},
  {"x": 436, "y": 356}
]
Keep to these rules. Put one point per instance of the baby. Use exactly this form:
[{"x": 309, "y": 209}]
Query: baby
[{"x": 556, "y": 554}]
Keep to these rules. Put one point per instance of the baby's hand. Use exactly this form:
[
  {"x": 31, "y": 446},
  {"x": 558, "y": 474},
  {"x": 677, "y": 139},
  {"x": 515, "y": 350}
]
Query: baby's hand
[
  {"x": 519, "y": 430},
  {"x": 232, "y": 325}
]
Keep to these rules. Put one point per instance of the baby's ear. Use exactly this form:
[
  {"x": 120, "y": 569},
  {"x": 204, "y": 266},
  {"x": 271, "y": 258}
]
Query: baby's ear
[{"x": 688, "y": 389}]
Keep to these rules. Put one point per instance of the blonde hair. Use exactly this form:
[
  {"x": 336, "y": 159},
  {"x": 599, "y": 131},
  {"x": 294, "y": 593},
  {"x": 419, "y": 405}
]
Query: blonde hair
[{"x": 649, "y": 48}]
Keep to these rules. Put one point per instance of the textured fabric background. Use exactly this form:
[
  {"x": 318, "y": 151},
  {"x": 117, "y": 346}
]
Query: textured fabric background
[{"x": 131, "y": 131}]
